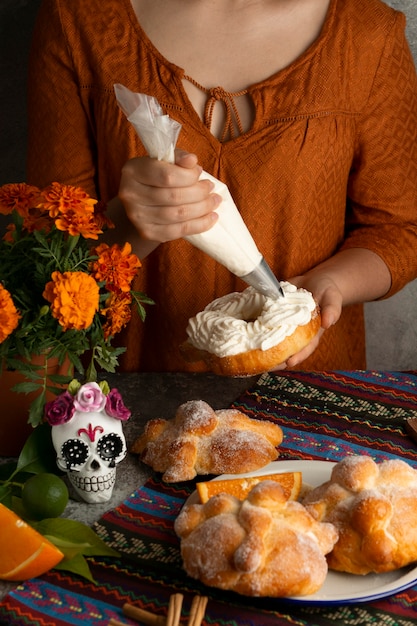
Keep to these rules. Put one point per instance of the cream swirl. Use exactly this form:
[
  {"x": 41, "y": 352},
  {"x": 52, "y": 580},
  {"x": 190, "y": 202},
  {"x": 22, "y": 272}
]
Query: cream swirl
[{"x": 239, "y": 322}]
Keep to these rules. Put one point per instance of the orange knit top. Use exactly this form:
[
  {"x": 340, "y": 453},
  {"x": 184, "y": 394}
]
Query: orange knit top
[{"x": 330, "y": 161}]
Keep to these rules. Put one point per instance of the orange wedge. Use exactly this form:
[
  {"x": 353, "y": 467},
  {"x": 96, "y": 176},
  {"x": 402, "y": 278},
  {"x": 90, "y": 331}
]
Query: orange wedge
[
  {"x": 25, "y": 553},
  {"x": 239, "y": 487}
]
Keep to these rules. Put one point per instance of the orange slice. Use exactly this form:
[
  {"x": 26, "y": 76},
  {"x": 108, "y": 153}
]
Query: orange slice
[
  {"x": 240, "y": 487},
  {"x": 25, "y": 553}
]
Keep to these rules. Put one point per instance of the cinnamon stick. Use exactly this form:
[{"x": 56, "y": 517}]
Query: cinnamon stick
[
  {"x": 198, "y": 609},
  {"x": 146, "y": 617},
  {"x": 174, "y": 609},
  {"x": 115, "y": 622}
]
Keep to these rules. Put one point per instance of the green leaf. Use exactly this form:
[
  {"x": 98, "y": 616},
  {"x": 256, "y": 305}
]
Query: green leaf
[
  {"x": 60, "y": 528},
  {"x": 67, "y": 545},
  {"x": 17, "y": 506},
  {"x": 91, "y": 373},
  {"x": 38, "y": 454},
  {"x": 104, "y": 386},
  {"x": 76, "y": 565},
  {"x": 6, "y": 495},
  {"x": 26, "y": 387},
  {"x": 60, "y": 379},
  {"x": 138, "y": 295},
  {"x": 140, "y": 299},
  {"x": 7, "y": 469},
  {"x": 75, "y": 540},
  {"x": 71, "y": 244},
  {"x": 73, "y": 386},
  {"x": 37, "y": 408}
]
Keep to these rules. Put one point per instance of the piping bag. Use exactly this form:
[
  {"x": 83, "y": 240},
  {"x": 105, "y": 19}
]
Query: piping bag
[{"x": 229, "y": 241}]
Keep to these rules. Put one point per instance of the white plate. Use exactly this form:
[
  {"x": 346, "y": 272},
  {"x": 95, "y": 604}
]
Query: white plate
[{"x": 338, "y": 587}]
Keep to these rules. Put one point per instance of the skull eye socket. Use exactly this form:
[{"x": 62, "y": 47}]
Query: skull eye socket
[
  {"x": 75, "y": 452},
  {"x": 109, "y": 447}
]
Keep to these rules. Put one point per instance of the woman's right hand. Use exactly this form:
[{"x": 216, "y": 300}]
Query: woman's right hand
[{"x": 166, "y": 201}]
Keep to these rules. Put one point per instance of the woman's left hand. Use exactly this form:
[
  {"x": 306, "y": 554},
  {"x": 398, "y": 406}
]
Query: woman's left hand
[{"x": 329, "y": 299}]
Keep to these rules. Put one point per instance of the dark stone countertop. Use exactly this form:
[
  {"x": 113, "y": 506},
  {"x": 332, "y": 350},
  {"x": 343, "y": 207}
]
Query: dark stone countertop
[{"x": 149, "y": 396}]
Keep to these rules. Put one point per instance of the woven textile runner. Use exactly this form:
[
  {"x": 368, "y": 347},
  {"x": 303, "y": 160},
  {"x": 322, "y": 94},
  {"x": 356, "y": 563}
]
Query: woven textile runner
[{"x": 324, "y": 416}]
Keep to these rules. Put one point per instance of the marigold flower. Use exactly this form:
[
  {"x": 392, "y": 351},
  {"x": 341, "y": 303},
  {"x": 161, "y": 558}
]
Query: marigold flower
[
  {"x": 100, "y": 216},
  {"x": 34, "y": 220},
  {"x": 118, "y": 312},
  {"x": 78, "y": 224},
  {"x": 9, "y": 234},
  {"x": 18, "y": 197},
  {"x": 37, "y": 219},
  {"x": 60, "y": 199},
  {"x": 74, "y": 298},
  {"x": 9, "y": 316},
  {"x": 115, "y": 266}
]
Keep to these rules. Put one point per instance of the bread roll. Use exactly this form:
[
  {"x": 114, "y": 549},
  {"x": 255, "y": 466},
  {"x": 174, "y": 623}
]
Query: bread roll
[
  {"x": 263, "y": 546},
  {"x": 374, "y": 508},
  {"x": 199, "y": 440},
  {"x": 244, "y": 334}
]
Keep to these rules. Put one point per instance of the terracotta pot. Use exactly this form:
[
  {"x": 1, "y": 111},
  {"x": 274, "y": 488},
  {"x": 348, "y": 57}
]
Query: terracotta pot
[{"x": 15, "y": 407}]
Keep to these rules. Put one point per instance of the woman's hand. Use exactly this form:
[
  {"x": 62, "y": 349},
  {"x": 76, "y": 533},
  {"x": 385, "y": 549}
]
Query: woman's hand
[
  {"x": 329, "y": 299},
  {"x": 350, "y": 276},
  {"x": 326, "y": 293},
  {"x": 166, "y": 201}
]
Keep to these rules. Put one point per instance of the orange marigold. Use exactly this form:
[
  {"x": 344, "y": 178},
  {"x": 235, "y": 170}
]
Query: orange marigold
[
  {"x": 78, "y": 224},
  {"x": 115, "y": 266},
  {"x": 34, "y": 220},
  {"x": 37, "y": 219},
  {"x": 18, "y": 197},
  {"x": 100, "y": 215},
  {"x": 118, "y": 313},
  {"x": 9, "y": 316},
  {"x": 60, "y": 199},
  {"x": 74, "y": 298}
]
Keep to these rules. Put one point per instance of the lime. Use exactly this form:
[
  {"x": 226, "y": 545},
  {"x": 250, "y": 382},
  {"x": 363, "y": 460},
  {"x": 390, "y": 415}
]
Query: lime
[{"x": 44, "y": 495}]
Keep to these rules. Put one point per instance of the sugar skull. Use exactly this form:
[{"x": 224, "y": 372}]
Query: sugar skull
[{"x": 87, "y": 435}]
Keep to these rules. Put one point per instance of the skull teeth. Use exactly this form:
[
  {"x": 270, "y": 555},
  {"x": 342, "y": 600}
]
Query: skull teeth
[{"x": 93, "y": 483}]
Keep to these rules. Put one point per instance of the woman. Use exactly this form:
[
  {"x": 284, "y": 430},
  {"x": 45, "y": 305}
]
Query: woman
[{"x": 306, "y": 109}]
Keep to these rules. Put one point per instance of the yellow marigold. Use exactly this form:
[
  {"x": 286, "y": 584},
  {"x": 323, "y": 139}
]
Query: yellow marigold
[
  {"x": 74, "y": 298},
  {"x": 118, "y": 313},
  {"x": 60, "y": 199},
  {"x": 18, "y": 197},
  {"x": 115, "y": 266},
  {"x": 9, "y": 316}
]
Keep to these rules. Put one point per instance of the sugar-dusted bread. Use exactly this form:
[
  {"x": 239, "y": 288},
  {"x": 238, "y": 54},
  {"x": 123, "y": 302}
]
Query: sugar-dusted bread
[
  {"x": 374, "y": 507},
  {"x": 264, "y": 546},
  {"x": 252, "y": 362},
  {"x": 245, "y": 333},
  {"x": 199, "y": 440}
]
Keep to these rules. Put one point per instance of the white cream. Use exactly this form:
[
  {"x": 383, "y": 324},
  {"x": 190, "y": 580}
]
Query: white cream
[
  {"x": 229, "y": 241},
  {"x": 239, "y": 322}
]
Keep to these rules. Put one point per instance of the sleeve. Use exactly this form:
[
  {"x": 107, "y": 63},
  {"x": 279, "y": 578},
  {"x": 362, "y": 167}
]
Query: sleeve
[
  {"x": 61, "y": 144},
  {"x": 382, "y": 188}
]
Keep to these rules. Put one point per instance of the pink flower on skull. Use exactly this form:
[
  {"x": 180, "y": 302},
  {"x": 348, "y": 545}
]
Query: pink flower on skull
[
  {"x": 89, "y": 398},
  {"x": 115, "y": 406},
  {"x": 60, "y": 410}
]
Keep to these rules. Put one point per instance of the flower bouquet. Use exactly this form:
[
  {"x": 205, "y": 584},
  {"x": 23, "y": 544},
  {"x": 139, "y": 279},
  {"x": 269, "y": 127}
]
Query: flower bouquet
[{"x": 61, "y": 296}]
